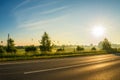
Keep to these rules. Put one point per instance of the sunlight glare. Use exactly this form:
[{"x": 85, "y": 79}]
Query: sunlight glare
[{"x": 98, "y": 31}]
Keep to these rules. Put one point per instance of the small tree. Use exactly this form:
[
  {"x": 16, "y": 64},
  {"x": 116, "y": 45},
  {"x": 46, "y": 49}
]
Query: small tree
[
  {"x": 79, "y": 48},
  {"x": 10, "y": 46},
  {"x": 45, "y": 43}
]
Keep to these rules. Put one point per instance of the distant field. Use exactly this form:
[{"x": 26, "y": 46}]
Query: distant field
[{"x": 68, "y": 52}]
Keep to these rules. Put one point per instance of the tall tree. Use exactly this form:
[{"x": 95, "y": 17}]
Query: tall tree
[
  {"x": 106, "y": 45},
  {"x": 45, "y": 43}
]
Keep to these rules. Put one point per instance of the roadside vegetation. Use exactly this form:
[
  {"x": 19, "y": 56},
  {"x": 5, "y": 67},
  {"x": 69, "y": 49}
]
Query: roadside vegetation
[{"x": 47, "y": 50}]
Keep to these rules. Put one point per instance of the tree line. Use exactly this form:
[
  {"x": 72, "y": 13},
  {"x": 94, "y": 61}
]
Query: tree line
[{"x": 46, "y": 46}]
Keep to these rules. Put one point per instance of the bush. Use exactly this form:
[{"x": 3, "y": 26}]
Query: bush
[
  {"x": 30, "y": 49},
  {"x": 93, "y": 49},
  {"x": 2, "y": 50},
  {"x": 11, "y": 49},
  {"x": 79, "y": 48},
  {"x": 113, "y": 50},
  {"x": 60, "y": 49}
]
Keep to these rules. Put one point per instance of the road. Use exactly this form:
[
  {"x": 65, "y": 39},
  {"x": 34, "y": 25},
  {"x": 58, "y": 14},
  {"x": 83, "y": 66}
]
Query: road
[{"x": 99, "y": 67}]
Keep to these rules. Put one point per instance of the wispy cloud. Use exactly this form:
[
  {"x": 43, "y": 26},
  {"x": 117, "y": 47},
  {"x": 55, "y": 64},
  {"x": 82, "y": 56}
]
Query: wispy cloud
[
  {"x": 42, "y": 5},
  {"x": 39, "y": 15},
  {"x": 24, "y": 18},
  {"x": 21, "y": 4},
  {"x": 33, "y": 12},
  {"x": 53, "y": 10},
  {"x": 42, "y": 23},
  {"x": 38, "y": 6}
]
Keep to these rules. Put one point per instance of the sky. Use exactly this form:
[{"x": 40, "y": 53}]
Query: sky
[{"x": 66, "y": 21}]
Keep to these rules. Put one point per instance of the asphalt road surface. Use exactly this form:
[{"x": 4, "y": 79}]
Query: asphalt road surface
[{"x": 100, "y": 67}]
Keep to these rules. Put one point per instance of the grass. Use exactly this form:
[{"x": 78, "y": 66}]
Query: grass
[{"x": 21, "y": 55}]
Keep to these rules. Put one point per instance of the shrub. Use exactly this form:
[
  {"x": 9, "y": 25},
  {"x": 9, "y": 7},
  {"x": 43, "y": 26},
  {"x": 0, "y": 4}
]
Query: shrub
[
  {"x": 11, "y": 50},
  {"x": 79, "y": 48},
  {"x": 2, "y": 50},
  {"x": 93, "y": 49},
  {"x": 60, "y": 49},
  {"x": 30, "y": 48}
]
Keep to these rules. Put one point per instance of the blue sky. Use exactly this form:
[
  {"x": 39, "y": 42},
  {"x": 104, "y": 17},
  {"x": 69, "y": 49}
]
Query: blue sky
[{"x": 66, "y": 21}]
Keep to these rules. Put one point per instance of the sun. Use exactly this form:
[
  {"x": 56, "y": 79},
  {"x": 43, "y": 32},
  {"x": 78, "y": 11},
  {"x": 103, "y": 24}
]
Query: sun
[{"x": 98, "y": 31}]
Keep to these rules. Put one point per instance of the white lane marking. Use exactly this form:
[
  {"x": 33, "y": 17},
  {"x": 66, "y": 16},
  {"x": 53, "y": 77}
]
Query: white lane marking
[
  {"x": 65, "y": 67},
  {"x": 36, "y": 61}
]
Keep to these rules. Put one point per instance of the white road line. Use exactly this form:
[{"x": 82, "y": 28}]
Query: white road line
[{"x": 64, "y": 67}]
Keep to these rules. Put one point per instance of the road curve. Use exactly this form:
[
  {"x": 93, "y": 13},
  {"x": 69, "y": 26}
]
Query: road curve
[{"x": 99, "y": 67}]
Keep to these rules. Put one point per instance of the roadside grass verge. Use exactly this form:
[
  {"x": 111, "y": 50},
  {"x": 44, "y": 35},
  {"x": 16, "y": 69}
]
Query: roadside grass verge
[{"x": 34, "y": 55}]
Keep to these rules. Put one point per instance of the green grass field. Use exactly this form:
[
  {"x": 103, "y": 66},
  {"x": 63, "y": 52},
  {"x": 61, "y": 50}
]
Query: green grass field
[{"x": 68, "y": 52}]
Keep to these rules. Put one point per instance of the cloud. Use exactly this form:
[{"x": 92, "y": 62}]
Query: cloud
[
  {"x": 42, "y": 23},
  {"x": 53, "y": 10},
  {"x": 41, "y": 5},
  {"x": 39, "y": 15},
  {"x": 35, "y": 12},
  {"x": 21, "y": 4},
  {"x": 25, "y": 18},
  {"x": 29, "y": 8}
]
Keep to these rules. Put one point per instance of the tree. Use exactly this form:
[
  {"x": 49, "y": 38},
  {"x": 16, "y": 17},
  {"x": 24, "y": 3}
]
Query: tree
[
  {"x": 106, "y": 45},
  {"x": 45, "y": 43},
  {"x": 79, "y": 48},
  {"x": 10, "y": 45}
]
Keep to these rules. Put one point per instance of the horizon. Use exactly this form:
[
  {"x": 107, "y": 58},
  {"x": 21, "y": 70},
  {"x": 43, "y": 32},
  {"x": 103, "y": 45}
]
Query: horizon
[{"x": 82, "y": 22}]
